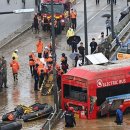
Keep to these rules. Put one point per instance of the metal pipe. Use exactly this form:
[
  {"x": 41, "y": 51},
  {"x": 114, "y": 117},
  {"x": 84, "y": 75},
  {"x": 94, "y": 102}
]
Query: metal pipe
[
  {"x": 85, "y": 30},
  {"x": 9, "y": 12},
  {"x": 55, "y": 87},
  {"x": 112, "y": 20}
]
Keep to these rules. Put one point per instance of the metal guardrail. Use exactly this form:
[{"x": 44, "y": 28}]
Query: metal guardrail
[
  {"x": 52, "y": 120},
  {"x": 113, "y": 55},
  {"x": 54, "y": 117},
  {"x": 47, "y": 124},
  {"x": 120, "y": 35}
]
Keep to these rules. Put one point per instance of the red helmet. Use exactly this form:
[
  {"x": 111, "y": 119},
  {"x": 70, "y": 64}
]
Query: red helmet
[{"x": 71, "y": 109}]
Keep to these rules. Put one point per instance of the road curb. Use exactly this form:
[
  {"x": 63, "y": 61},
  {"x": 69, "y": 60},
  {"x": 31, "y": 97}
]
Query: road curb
[{"x": 15, "y": 35}]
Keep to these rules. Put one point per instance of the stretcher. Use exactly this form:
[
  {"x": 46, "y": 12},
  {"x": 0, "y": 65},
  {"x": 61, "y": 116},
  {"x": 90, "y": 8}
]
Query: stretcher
[{"x": 47, "y": 86}]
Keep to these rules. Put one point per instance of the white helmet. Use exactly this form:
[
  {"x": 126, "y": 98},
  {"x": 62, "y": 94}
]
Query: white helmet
[
  {"x": 46, "y": 48},
  {"x": 16, "y": 50}
]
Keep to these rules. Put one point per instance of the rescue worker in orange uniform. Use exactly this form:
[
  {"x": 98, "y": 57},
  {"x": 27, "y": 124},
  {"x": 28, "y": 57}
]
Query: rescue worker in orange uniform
[
  {"x": 73, "y": 16},
  {"x": 49, "y": 59},
  {"x": 39, "y": 46},
  {"x": 15, "y": 68},
  {"x": 31, "y": 62}
]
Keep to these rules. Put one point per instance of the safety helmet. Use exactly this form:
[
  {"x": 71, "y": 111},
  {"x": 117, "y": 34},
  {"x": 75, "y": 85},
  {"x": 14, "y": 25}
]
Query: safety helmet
[
  {"x": 71, "y": 109},
  {"x": 63, "y": 54},
  {"x": 16, "y": 50}
]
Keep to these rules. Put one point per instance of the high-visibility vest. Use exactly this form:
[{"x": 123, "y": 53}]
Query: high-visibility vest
[
  {"x": 15, "y": 55},
  {"x": 39, "y": 47},
  {"x": 31, "y": 60},
  {"x": 73, "y": 15},
  {"x": 70, "y": 33},
  {"x": 15, "y": 66}
]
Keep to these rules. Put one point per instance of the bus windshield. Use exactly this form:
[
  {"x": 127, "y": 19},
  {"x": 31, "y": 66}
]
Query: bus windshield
[
  {"x": 75, "y": 93},
  {"x": 46, "y": 8}
]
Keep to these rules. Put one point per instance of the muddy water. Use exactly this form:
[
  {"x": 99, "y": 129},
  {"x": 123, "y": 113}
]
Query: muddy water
[{"x": 98, "y": 124}]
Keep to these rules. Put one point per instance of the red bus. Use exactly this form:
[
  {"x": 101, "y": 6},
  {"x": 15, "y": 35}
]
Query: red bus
[{"x": 88, "y": 87}]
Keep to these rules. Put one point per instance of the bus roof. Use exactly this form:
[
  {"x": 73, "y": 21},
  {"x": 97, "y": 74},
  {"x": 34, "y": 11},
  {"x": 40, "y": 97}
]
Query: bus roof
[{"x": 92, "y": 71}]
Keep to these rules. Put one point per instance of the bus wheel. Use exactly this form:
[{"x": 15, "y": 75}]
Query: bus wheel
[{"x": 127, "y": 110}]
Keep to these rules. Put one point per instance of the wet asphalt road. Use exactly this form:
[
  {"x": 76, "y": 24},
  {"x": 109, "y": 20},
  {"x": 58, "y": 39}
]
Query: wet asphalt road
[
  {"x": 9, "y": 23},
  {"x": 22, "y": 91}
]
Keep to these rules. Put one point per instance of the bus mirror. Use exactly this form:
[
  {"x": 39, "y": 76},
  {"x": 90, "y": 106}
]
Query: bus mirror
[{"x": 92, "y": 102}]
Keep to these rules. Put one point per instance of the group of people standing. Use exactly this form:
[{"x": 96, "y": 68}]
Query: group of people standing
[
  {"x": 45, "y": 24},
  {"x": 3, "y": 69},
  {"x": 41, "y": 66}
]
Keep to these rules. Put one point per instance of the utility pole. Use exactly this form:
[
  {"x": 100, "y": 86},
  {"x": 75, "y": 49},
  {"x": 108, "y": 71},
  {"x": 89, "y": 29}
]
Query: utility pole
[
  {"x": 85, "y": 30},
  {"x": 112, "y": 20},
  {"x": 55, "y": 87}
]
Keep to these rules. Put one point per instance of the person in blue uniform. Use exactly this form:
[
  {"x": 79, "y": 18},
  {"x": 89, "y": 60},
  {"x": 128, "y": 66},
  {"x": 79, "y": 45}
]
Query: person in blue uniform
[{"x": 119, "y": 116}]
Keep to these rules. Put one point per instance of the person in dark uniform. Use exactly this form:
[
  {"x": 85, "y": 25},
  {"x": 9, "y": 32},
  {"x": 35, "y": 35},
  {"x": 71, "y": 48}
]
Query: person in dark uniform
[
  {"x": 36, "y": 77},
  {"x": 97, "y": 2},
  {"x": 36, "y": 24},
  {"x": 41, "y": 78},
  {"x": 4, "y": 72},
  {"x": 76, "y": 60},
  {"x": 109, "y": 1},
  {"x": 74, "y": 45},
  {"x": 93, "y": 45},
  {"x": 81, "y": 51},
  {"x": 69, "y": 118},
  {"x": 107, "y": 47},
  {"x": 64, "y": 64}
]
